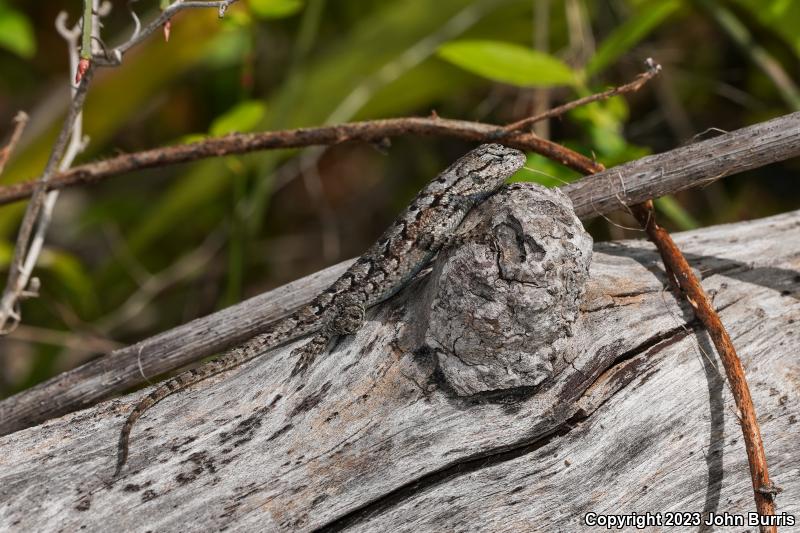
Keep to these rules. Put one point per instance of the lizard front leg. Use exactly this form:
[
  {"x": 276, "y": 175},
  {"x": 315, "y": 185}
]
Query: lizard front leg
[{"x": 347, "y": 317}]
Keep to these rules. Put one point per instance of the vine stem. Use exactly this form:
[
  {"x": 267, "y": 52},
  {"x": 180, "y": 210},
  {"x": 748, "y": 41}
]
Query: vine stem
[{"x": 86, "y": 41}]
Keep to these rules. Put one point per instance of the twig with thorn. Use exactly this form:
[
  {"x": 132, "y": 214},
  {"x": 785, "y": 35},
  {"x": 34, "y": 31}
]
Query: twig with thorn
[
  {"x": 653, "y": 69},
  {"x": 69, "y": 143}
]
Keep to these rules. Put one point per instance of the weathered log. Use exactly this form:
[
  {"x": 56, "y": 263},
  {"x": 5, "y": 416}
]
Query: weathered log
[{"x": 378, "y": 437}]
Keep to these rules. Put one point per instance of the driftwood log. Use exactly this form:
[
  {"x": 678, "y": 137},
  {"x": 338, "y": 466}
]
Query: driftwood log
[{"x": 393, "y": 431}]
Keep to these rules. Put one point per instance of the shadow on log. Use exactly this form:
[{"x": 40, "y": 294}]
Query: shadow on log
[{"x": 618, "y": 408}]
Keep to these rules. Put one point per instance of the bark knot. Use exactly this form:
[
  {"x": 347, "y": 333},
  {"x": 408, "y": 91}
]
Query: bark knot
[{"x": 500, "y": 307}]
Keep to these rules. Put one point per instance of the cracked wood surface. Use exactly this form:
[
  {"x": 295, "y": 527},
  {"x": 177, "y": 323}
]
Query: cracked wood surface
[{"x": 372, "y": 440}]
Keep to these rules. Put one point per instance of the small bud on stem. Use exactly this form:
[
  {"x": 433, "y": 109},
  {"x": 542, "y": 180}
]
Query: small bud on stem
[{"x": 83, "y": 66}]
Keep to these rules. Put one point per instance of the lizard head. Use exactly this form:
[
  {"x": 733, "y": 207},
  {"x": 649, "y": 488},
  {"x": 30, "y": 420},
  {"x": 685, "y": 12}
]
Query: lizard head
[{"x": 482, "y": 171}]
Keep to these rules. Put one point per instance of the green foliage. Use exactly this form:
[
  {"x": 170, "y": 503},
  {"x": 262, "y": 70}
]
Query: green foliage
[
  {"x": 321, "y": 91},
  {"x": 508, "y": 63},
  {"x": 669, "y": 207},
  {"x": 16, "y": 33}
]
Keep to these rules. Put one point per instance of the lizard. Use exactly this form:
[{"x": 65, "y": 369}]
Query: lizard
[{"x": 427, "y": 225}]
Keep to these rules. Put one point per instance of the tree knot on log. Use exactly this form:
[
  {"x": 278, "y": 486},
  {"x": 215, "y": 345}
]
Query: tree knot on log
[{"x": 500, "y": 308}]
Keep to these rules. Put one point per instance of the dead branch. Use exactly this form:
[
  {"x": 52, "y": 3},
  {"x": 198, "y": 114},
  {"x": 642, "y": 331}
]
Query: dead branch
[
  {"x": 28, "y": 246},
  {"x": 371, "y": 442},
  {"x": 675, "y": 262},
  {"x": 633, "y": 86},
  {"x": 20, "y": 121},
  {"x": 679, "y": 272},
  {"x": 751, "y": 147},
  {"x": 242, "y": 143}
]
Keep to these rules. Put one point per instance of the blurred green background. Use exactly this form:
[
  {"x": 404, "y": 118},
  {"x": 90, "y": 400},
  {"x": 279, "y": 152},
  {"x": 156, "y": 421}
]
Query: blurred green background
[{"x": 143, "y": 252}]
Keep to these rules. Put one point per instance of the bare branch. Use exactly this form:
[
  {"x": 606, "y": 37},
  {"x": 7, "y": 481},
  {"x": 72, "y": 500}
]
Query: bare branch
[
  {"x": 694, "y": 165},
  {"x": 26, "y": 251},
  {"x": 737, "y": 151},
  {"x": 68, "y": 144},
  {"x": 674, "y": 261},
  {"x": 20, "y": 121},
  {"x": 366, "y": 131},
  {"x": 165, "y": 15},
  {"x": 653, "y": 70}
]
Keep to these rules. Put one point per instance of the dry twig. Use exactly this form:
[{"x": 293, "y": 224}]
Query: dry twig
[
  {"x": 633, "y": 86},
  {"x": 68, "y": 144},
  {"x": 675, "y": 262},
  {"x": 241, "y": 143},
  {"x": 20, "y": 121},
  {"x": 677, "y": 267}
]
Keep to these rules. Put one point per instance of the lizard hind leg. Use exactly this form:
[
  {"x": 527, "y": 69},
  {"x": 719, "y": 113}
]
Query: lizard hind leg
[
  {"x": 346, "y": 320},
  {"x": 349, "y": 319}
]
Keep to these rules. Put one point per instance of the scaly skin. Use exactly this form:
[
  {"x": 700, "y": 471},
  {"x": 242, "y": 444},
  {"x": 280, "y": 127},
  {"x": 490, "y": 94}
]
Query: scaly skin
[{"x": 386, "y": 267}]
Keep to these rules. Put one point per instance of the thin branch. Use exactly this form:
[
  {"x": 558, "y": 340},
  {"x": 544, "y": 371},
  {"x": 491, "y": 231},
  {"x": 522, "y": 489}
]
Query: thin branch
[
  {"x": 27, "y": 250},
  {"x": 241, "y": 143},
  {"x": 678, "y": 267},
  {"x": 633, "y": 86},
  {"x": 763, "y": 489},
  {"x": 20, "y": 121},
  {"x": 365, "y": 131},
  {"x": 656, "y": 175},
  {"x": 18, "y": 277},
  {"x": 39, "y": 210},
  {"x": 145, "y": 31}
]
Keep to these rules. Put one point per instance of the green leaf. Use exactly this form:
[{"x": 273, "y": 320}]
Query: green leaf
[
  {"x": 16, "y": 33},
  {"x": 274, "y": 9},
  {"x": 243, "y": 117},
  {"x": 508, "y": 63},
  {"x": 229, "y": 46},
  {"x": 626, "y": 36}
]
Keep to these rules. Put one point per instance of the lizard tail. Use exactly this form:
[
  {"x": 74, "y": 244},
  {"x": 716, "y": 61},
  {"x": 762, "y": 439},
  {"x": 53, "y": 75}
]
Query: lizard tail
[{"x": 179, "y": 382}]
